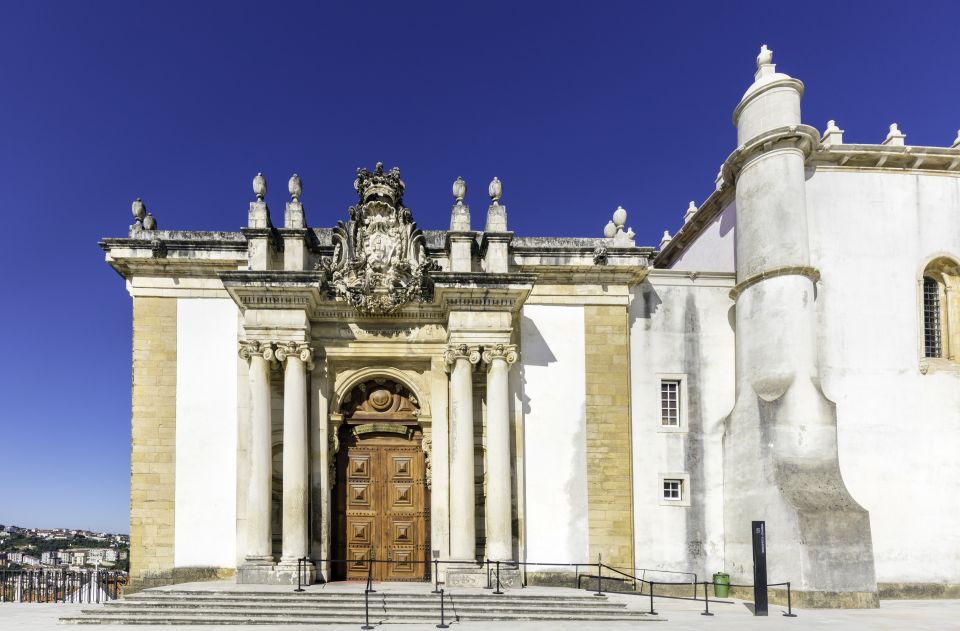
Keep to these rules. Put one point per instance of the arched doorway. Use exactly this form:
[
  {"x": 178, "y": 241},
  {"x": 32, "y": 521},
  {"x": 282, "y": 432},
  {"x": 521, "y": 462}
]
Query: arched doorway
[{"x": 381, "y": 500}]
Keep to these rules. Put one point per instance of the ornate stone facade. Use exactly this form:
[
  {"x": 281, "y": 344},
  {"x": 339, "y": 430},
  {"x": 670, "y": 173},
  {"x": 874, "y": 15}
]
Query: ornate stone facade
[{"x": 545, "y": 399}]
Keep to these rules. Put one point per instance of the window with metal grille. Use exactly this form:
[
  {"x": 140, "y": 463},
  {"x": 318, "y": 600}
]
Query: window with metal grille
[
  {"x": 673, "y": 490},
  {"x": 932, "y": 345},
  {"x": 670, "y": 403}
]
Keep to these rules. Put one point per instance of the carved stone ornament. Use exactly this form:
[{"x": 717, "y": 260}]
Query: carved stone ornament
[
  {"x": 600, "y": 255},
  {"x": 294, "y": 349},
  {"x": 427, "y": 445},
  {"x": 381, "y": 400},
  {"x": 380, "y": 261},
  {"x": 158, "y": 249},
  {"x": 333, "y": 448},
  {"x": 255, "y": 348},
  {"x": 461, "y": 351},
  {"x": 506, "y": 352}
]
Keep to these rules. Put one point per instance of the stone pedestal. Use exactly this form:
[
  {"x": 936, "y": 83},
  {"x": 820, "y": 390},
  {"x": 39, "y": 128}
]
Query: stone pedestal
[{"x": 476, "y": 576}]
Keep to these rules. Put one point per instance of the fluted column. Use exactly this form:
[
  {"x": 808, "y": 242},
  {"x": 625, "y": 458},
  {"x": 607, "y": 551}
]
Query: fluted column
[
  {"x": 259, "y": 539},
  {"x": 460, "y": 360},
  {"x": 498, "y": 360},
  {"x": 296, "y": 357}
]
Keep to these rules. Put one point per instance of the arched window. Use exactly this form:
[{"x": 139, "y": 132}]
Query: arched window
[
  {"x": 939, "y": 288},
  {"x": 932, "y": 335}
]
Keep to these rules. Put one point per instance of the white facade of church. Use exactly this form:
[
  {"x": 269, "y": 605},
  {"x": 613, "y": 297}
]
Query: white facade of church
[{"x": 791, "y": 354}]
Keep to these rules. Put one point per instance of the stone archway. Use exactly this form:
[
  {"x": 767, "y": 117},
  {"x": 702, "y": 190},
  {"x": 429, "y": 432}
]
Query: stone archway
[{"x": 381, "y": 500}]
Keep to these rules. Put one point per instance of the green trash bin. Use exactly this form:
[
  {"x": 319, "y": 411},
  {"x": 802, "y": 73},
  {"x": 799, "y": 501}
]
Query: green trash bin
[{"x": 721, "y": 584}]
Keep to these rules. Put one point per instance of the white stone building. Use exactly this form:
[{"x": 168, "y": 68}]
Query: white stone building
[{"x": 791, "y": 354}]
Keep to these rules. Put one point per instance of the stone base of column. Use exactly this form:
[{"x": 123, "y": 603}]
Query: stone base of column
[
  {"x": 258, "y": 572},
  {"x": 255, "y": 571},
  {"x": 476, "y": 576},
  {"x": 286, "y": 573}
]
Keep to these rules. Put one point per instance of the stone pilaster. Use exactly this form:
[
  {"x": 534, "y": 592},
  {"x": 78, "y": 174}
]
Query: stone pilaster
[
  {"x": 153, "y": 437},
  {"x": 609, "y": 472}
]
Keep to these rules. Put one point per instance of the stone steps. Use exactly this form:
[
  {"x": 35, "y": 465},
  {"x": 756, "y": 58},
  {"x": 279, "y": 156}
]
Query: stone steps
[{"x": 233, "y": 607}]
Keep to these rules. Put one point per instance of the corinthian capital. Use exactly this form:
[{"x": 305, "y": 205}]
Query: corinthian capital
[
  {"x": 506, "y": 352},
  {"x": 256, "y": 348},
  {"x": 461, "y": 351}
]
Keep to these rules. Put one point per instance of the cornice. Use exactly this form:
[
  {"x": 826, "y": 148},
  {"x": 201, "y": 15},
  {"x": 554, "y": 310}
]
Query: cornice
[
  {"x": 274, "y": 289},
  {"x": 791, "y": 270},
  {"x": 894, "y": 158},
  {"x": 804, "y": 138}
]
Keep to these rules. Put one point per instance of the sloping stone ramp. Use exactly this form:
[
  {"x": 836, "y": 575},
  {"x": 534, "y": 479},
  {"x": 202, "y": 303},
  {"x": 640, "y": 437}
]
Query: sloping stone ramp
[{"x": 410, "y": 603}]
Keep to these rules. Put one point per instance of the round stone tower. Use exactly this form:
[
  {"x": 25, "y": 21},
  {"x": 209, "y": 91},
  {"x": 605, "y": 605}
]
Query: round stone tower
[{"x": 780, "y": 445}]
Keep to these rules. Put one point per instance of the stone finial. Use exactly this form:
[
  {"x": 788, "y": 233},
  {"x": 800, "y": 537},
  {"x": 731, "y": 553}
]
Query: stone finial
[
  {"x": 149, "y": 222},
  {"x": 610, "y": 230},
  {"x": 295, "y": 186},
  {"x": 619, "y": 217},
  {"x": 139, "y": 209},
  {"x": 495, "y": 190},
  {"x": 615, "y": 229},
  {"x": 691, "y": 211},
  {"x": 259, "y": 187},
  {"x": 665, "y": 239},
  {"x": 894, "y": 136},
  {"x": 832, "y": 135},
  {"x": 459, "y": 189},
  {"x": 956, "y": 143},
  {"x": 765, "y": 58}
]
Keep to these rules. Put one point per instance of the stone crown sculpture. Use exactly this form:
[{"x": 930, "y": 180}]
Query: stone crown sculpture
[{"x": 380, "y": 261}]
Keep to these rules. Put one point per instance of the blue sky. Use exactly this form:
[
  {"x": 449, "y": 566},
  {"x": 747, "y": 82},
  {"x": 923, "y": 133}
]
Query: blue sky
[{"x": 576, "y": 109}]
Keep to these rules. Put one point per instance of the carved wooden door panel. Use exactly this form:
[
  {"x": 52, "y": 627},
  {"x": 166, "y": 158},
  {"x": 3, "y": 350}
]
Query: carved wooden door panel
[
  {"x": 384, "y": 509},
  {"x": 403, "y": 535},
  {"x": 362, "y": 509}
]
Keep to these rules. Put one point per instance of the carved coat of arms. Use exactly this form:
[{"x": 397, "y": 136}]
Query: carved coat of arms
[{"x": 379, "y": 260}]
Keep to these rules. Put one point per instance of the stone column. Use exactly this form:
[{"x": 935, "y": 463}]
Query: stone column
[
  {"x": 460, "y": 360},
  {"x": 498, "y": 360},
  {"x": 259, "y": 539},
  {"x": 295, "y": 459}
]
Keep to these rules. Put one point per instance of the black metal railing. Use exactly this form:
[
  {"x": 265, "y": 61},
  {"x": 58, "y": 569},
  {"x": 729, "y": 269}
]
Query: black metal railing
[
  {"x": 51, "y": 585},
  {"x": 643, "y": 587}
]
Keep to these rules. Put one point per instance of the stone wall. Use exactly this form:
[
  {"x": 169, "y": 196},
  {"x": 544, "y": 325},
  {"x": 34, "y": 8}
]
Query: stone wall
[
  {"x": 609, "y": 501},
  {"x": 153, "y": 436}
]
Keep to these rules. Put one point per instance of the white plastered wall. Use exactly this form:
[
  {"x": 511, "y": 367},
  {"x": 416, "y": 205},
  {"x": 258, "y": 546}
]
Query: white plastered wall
[
  {"x": 714, "y": 249},
  {"x": 898, "y": 430},
  {"x": 681, "y": 329},
  {"x": 206, "y": 472},
  {"x": 552, "y": 361}
]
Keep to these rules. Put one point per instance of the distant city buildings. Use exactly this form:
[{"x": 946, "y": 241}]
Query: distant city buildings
[{"x": 71, "y": 548}]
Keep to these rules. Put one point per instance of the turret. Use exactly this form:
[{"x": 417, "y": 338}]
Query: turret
[{"x": 780, "y": 444}]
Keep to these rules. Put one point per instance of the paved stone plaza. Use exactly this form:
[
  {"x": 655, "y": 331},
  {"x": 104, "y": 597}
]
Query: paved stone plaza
[{"x": 897, "y": 615}]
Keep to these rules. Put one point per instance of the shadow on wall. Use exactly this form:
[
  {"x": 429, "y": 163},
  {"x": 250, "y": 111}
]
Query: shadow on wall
[
  {"x": 534, "y": 352},
  {"x": 650, "y": 304},
  {"x": 728, "y": 222}
]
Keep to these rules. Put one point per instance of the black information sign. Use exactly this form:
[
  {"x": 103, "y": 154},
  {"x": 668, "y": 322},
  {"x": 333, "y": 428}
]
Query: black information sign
[{"x": 759, "y": 568}]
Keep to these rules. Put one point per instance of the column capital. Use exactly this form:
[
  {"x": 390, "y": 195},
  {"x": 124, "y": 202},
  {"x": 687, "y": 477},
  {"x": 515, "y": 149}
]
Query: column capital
[
  {"x": 470, "y": 352},
  {"x": 506, "y": 352},
  {"x": 297, "y": 350},
  {"x": 255, "y": 348}
]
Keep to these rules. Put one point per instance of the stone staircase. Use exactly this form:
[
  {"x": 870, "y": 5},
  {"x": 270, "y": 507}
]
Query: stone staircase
[{"x": 232, "y": 606}]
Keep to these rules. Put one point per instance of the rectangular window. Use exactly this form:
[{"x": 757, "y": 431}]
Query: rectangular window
[
  {"x": 673, "y": 490},
  {"x": 670, "y": 403},
  {"x": 932, "y": 346}
]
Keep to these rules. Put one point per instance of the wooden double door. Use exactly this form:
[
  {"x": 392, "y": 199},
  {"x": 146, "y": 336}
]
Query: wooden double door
[{"x": 382, "y": 504}]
